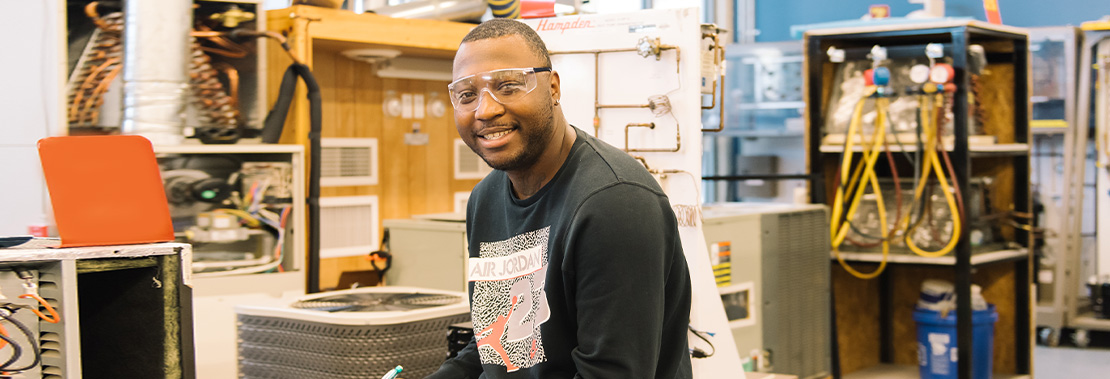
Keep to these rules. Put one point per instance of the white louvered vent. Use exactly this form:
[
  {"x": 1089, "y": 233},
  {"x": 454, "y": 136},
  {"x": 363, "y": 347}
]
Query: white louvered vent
[
  {"x": 348, "y": 161},
  {"x": 467, "y": 164},
  {"x": 51, "y": 336},
  {"x": 460, "y": 201},
  {"x": 348, "y": 226}
]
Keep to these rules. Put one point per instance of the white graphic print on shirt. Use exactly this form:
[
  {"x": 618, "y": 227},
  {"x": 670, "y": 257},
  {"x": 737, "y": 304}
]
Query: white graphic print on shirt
[{"x": 509, "y": 303}]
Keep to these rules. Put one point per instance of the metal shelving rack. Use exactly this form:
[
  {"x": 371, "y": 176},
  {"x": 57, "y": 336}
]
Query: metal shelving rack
[
  {"x": 1094, "y": 52},
  {"x": 1055, "y": 66},
  {"x": 1004, "y": 45}
]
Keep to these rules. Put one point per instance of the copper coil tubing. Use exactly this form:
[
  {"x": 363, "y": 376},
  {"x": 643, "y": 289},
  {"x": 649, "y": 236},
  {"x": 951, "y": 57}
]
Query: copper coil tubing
[
  {"x": 215, "y": 105},
  {"x": 101, "y": 64}
]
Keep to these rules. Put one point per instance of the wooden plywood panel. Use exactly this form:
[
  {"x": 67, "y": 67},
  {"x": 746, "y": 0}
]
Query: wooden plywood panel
[
  {"x": 323, "y": 68},
  {"x": 441, "y": 132},
  {"x": 395, "y": 170},
  {"x": 998, "y": 285},
  {"x": 417, "y": 161},
  {"x": 996, "y": 99},
  {"x": 857, "y": 318}
]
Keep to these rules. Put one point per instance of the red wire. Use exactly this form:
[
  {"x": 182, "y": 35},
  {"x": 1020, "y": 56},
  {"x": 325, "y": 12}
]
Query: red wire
[{"x": 53, "y": 319}]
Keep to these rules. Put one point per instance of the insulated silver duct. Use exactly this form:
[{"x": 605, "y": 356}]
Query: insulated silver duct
[{"x": 155, "y": 51}]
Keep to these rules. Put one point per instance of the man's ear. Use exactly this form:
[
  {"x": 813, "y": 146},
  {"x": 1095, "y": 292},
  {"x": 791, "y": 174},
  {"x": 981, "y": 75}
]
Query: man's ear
[{"x": 556, "y": 93}]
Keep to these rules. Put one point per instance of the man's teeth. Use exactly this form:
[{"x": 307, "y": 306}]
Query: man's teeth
[{"x": 495, "y": 135}]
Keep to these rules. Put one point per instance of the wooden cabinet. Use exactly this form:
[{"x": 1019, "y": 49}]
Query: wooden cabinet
[{"x": 412, "y": 179}]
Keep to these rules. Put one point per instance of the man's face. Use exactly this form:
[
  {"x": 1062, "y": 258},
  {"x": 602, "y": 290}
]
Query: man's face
[{"x": 509, "y": 137}]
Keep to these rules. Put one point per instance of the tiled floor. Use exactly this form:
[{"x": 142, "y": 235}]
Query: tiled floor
[{"x": 1070, "y": 363}]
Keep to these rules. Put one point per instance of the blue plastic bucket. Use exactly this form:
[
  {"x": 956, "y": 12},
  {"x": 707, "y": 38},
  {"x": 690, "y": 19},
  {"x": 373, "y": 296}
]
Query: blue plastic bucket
[{"x": 936, "y": 343}]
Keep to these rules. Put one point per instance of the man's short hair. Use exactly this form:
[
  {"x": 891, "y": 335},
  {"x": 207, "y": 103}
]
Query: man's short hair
[{"x": 500, "y": 27}]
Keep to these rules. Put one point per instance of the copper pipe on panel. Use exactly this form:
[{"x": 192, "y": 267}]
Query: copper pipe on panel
[
  {"x": 597, "y": 76},
  {"x": 651, "y": 125},
  {"x": 624, "y": 106},
  {"x": 718, "y": 57}
]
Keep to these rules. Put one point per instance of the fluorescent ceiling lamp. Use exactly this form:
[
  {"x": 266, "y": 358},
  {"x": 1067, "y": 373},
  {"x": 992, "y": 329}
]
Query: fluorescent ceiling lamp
[{"x": 416, "y": 68}]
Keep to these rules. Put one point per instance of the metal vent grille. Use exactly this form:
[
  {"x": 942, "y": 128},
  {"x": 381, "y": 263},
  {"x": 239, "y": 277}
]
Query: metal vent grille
[
  {"x": 348, "y": 226},
  {"x": 348, "y": 161},
  {"x": 800, "y": 328},
  {"x": 280, "y": 348},
  {"x": 469, "y": 165}
]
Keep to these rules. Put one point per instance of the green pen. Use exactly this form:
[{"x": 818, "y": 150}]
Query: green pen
[{"x": 393, "y": 373}]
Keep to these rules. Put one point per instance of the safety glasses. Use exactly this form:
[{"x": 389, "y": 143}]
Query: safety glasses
[{"x": 504, "y": 86}]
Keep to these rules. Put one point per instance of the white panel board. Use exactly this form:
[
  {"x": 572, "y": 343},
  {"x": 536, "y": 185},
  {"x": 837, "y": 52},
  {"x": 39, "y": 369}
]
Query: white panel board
[{"x": 627, "y": 78}]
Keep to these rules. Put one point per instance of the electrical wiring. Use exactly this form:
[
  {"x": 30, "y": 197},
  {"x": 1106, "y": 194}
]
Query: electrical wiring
[
  {"x": 280, "y": 245},
  {"x": 699, "y": 353},
  {"x": 273, "y": 264},
  {"x": 243, "y": 215},
  {"x": 17, "y": 351},
  {"x": 53, "y": 318},
  {"x": 865, "y": 176},
  {"x": 265, "y": 263},
  {"x": 31, "y": 338}
]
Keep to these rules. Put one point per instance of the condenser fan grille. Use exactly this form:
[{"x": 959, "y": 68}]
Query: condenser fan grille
[{"x": 376, "y": 302}]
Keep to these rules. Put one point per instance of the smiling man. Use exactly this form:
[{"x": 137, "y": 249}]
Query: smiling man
[{"x": 576, "y": 268}]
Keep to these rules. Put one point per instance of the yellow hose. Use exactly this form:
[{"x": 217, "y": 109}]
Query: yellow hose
[
  {"x": 865, "y": 173},
  {"x": 932, "y": 166}
]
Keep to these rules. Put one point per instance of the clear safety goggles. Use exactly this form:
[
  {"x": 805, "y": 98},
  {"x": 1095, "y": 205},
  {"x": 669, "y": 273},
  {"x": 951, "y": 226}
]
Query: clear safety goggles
[{"x": 504, "y": 86}]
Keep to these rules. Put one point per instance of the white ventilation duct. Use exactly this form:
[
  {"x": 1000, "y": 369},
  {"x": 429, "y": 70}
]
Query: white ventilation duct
[{"x": 155, "y": 51}]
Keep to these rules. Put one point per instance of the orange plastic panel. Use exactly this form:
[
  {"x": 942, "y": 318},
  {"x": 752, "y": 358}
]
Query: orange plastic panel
[{"x": 106, "y": 190}]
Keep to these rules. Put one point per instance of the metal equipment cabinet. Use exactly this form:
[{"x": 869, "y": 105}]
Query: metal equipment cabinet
[
  {"x": 126, "y": 311},
  {"x": 358, "y": 101},
  {"x": 872, "y": 318}
]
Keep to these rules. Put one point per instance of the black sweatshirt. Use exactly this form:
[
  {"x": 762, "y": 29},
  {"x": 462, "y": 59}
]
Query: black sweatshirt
[{"x": 585, "y": 279}]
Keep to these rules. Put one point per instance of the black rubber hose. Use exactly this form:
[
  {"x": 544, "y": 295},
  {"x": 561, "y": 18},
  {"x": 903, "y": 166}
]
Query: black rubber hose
[
  {"x": 275, "y": 120},
  {"x": 271, "y": 133},
  {"x": 315, "y": 120}
]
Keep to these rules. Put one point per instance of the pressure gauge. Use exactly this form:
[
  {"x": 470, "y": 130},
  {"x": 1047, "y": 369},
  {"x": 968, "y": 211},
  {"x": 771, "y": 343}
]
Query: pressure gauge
[
  {"x": 942, "y": 73},
  {"x": 919, "y": 73},
  {"x": 881, "y": 76}
]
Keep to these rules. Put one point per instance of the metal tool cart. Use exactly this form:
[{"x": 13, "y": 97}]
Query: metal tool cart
[{"x": 952, "y": 94}]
